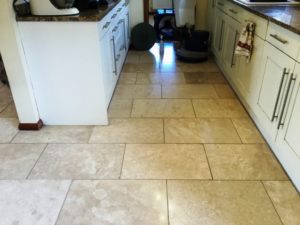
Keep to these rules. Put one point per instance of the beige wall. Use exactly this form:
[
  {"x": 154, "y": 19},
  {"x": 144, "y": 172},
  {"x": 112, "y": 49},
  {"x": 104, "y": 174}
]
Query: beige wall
[{"x": 201, "y": 14}]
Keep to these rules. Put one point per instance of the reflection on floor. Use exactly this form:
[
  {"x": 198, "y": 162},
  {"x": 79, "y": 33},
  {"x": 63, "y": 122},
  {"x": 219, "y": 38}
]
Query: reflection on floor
[{"x": 180, "y": 150}]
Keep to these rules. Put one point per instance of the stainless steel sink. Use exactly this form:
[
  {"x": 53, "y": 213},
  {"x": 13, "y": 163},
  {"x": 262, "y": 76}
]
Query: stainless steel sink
[{"x": 270, "y": 2}]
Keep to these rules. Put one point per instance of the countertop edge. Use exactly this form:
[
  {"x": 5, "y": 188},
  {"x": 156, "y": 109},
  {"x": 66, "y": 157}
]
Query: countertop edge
[
  {"x": 269, "y": 18},
  {"x": 92, "y": 15}
]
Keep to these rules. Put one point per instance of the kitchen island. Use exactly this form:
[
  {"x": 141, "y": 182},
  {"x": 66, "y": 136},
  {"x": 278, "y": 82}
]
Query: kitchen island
[{"x": 74, "y": 62}]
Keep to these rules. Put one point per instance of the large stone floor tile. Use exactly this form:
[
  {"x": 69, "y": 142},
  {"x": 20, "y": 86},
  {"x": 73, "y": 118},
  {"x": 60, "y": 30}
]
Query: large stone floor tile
[
  {"x": 31, "y": 202},
  {"x": 5, "y": 95},
  {"x": 163, "y": 108},
  {"x": 56, "y": 134},
  {"x": 200, "y": 131},
  {"x": 247, "y": 131},
  {"x": 165, "y": 162},
  {"x": 243, "y": 162},
  {"x": 118, "y": 202},
  {"x": 2, "y": 107},
  {"x": 204, "y": 78},
  {"x": 160, "y": 78},
  {"x": 224, "y": 91},
  {"x": 286, "y": 200},
  {"x": 137, "y": 91},
  {"x": 127, "y": 78},
  {"x": 220, "y": 203},
  {"x": 9, "y": 112},
  {"x": 79, "y": 161},
  {"x": 218, "y": 108},
  {"x": 17, "y": 160},
  {"x": 189, "y": 91},
  {"x": 120, "y": 108},
  {"x": 129, "y": 131},
  {"x": 8, "y": 129}
]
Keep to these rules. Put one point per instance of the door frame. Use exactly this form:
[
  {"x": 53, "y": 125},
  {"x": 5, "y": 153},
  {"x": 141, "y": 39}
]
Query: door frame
[{"x": 146, "y": 11}]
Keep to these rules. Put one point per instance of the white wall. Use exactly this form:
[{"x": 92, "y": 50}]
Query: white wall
[
  {"x": 136, "y": 12},
  {"x": 201, "y": 15},
  {"x": 15, "y": 65}
]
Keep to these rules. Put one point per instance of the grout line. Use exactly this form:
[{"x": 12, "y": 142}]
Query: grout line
[
  {"x": 179, "y": 143},
  {"x": 122, "y": 164},
  {"x": 209, "y": 166},
  {"x": 132, "y": 104},
  {"x": 264, "y": 187},
  {"x": 193, "y": 108},
  {"x": 7, "y": 104},
  {"x": 63, "y": 204},
  {"x": 91, "y": 134},
  {"x": 168, "y": 206},
  {"x": 42, "y": 152},
  {"x": 235, "y": 128},
  {"x": 11, "y": 141},
  {"x": 153, "y": 179}
]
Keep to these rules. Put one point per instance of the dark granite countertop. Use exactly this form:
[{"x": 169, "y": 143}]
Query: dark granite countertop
[
  {"x": 90, "y": 15},
  {"x": 285, "y": 16}
]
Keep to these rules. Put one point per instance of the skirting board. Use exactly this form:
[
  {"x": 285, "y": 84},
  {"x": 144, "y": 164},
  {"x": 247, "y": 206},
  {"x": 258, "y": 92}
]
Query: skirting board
[{"x": 31, "y": 126}]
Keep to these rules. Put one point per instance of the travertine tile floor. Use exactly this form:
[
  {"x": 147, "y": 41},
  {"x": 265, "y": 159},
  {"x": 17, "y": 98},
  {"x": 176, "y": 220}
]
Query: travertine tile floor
[{"x": 180, "y": 150}]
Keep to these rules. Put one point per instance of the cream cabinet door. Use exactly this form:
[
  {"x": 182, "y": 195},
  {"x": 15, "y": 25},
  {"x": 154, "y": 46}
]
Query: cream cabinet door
[
  {"x": 277, "y": 68},
  {"x": 249, "y": 75},
  {"x": 288, "y": 140},
  {"x": 231, "y": 35},
  {"x": 218, "y": 33}
]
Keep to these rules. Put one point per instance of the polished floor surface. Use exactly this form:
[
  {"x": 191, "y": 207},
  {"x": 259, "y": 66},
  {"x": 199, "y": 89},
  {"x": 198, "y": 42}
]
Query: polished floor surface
[{"x": 180, "y": 150}]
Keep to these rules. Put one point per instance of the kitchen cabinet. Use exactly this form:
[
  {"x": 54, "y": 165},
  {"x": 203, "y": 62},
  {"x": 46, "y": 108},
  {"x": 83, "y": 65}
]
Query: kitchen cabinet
[
  {"x": 288, "y": 139},
  {"x": 277, "y": 69},
  {"x": 231, "y": 34},
  {"x": 219, "y": 25},
  {"x": 248, "y": 77},
  {"x": 268, "y": 85},
  {"x": 80, "y": 61}
]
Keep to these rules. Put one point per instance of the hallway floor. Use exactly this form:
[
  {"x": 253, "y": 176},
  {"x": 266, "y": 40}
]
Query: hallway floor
[{"x": 180, "y": 150}]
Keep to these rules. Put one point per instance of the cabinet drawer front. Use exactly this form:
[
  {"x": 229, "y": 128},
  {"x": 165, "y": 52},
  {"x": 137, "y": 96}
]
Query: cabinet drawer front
[
  {"x": 261, "y": 24},
  {"x": 286, "y": 41},
  {"x": 220, "y": 4},
  {"x": 234, "y": 11}
]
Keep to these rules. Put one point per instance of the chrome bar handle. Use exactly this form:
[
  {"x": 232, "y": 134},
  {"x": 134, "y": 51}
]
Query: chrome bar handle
[
  {"x": 233, "y": 51},
  {"x": 279, "y": 94},
  {"x": 128, "y": 34},
  {"x": 287, "y": 95},
  {"x": 221, "y": 36},
  {"x": 125, "y": 42},
  {"x": 277, "y": 38},
  {"x": 115, "y": 59}
]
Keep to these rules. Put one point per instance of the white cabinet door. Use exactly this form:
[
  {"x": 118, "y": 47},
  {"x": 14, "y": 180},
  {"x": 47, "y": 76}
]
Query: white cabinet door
[
  {"x": 249, "y": 75},
  {"x": 288, "y": 140},
  {"x": 231, "y": 35},
  {"x": 107, "y": 60},
  {"x": 276, "y": 71},
  {"x": 218, "y": 33}
]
